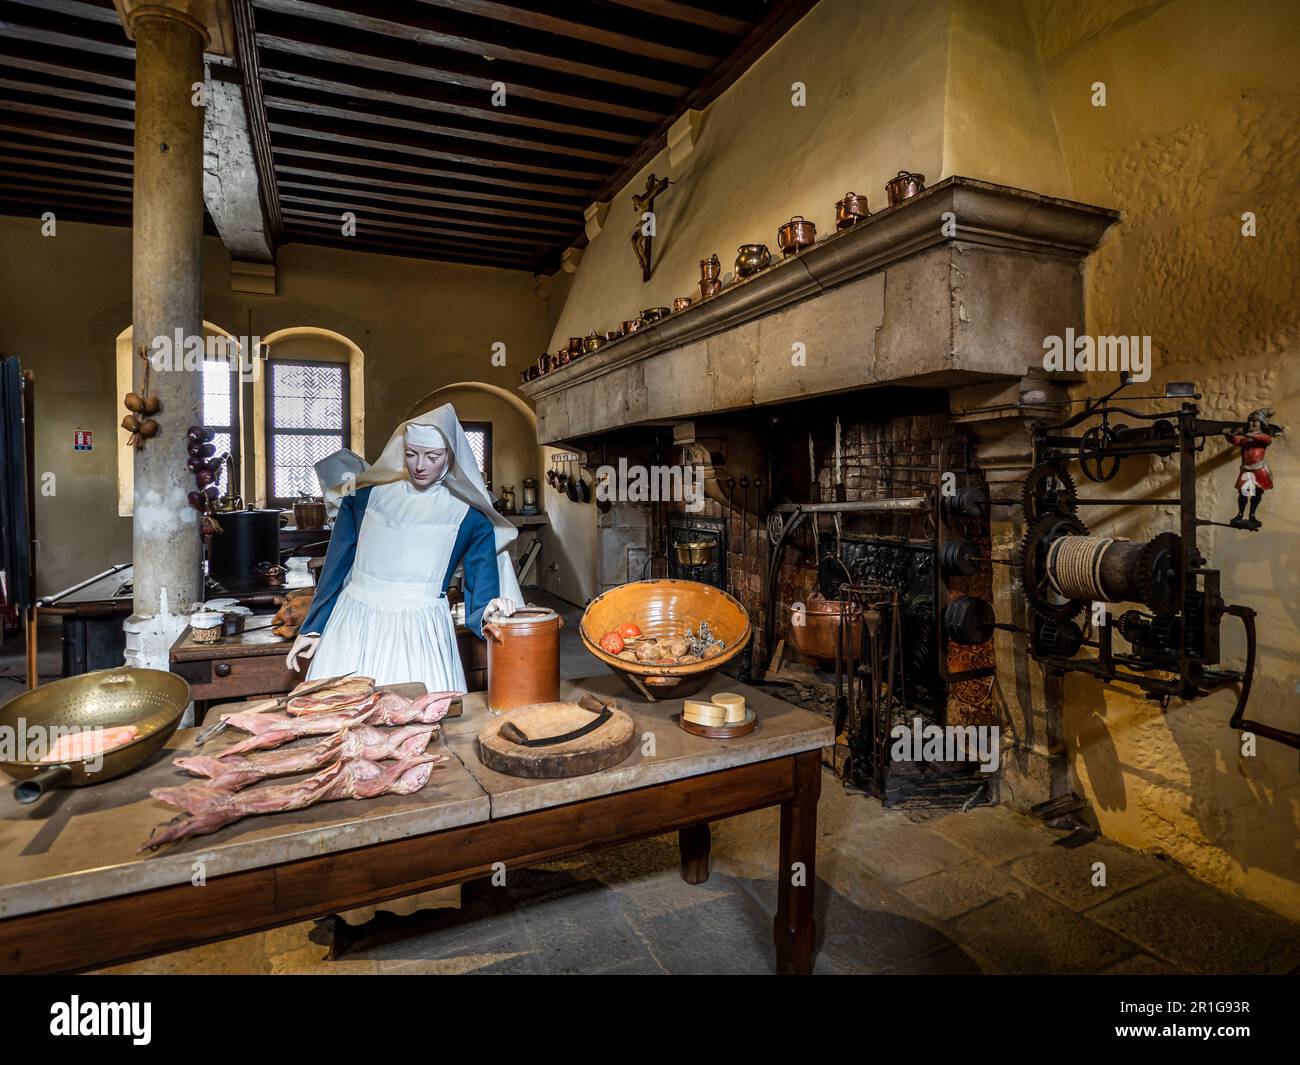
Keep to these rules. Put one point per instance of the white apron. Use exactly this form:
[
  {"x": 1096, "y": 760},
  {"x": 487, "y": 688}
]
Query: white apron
[{"x": 391, "y": 620}]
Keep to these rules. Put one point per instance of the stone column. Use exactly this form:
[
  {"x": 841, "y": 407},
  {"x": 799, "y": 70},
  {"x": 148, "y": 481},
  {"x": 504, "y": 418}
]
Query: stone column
[
  {"x": 167, "y": 297},
  {"x": 1035, "y": 763}
]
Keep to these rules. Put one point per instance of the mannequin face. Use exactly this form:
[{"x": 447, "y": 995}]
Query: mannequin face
[{"x": 425, "y": 465}]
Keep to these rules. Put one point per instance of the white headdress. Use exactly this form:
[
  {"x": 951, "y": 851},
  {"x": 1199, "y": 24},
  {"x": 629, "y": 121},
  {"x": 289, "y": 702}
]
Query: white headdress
[{"x": 441, "y": 428}]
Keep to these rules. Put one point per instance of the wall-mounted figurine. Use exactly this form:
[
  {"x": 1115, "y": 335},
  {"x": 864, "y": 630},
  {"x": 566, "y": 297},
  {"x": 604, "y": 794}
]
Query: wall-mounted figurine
[
  {"x": 1253, "y": 477},
  {"x": 644, "y": 234}
]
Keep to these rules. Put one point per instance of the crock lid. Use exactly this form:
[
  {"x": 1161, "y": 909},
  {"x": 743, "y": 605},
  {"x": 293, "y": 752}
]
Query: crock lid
[{"x": 528, "y": 615}]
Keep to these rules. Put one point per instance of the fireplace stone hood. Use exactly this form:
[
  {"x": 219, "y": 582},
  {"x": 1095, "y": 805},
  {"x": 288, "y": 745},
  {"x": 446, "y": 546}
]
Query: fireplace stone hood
[{"x": 958, "y": 285}]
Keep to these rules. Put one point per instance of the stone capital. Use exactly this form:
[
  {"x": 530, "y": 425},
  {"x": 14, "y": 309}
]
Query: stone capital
[{"x": 211, "y": 19}]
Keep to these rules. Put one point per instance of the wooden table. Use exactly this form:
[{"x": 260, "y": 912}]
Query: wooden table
[{"x": 75, "y": 894}]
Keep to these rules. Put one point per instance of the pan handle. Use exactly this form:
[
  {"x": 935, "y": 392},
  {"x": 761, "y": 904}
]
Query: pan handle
[{"x": 31, "y": 789}]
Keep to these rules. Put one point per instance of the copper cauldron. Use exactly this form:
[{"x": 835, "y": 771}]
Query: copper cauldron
[
  {"x": 851, "y": 210},
  {"x": 710, "y": 268},
  {"x": 523, "y": 653},
  {"x": 796, "y": 235},
  {"x": 904, "y": 187},
  {"x": 819, "y": 633}
]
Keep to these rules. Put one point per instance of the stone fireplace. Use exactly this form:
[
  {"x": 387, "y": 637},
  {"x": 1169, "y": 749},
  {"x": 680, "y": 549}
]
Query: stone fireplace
[{"x": 925, "y": 322}]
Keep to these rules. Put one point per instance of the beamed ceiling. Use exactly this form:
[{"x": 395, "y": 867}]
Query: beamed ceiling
[{"x": 384, "y": 108}]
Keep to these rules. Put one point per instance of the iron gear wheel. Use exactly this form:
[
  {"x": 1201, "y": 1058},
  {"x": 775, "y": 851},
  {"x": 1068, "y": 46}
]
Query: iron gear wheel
[
  {"x": 1035, "y": 581},
  {"x": 1048, "y": 488},
  {"x": 1157, "y": 577}
]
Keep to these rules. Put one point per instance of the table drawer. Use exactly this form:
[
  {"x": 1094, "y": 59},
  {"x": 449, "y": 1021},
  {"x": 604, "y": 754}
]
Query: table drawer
[{"x": 227, "y": 678}]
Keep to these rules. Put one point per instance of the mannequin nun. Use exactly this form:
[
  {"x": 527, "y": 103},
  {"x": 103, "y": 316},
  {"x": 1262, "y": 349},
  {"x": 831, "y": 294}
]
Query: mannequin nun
[
  {"x": 410, "y": 519},
  {"x": 403, "y": 526}
]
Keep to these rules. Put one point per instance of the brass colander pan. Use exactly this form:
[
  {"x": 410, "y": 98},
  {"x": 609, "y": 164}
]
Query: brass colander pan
[{"x": 150, "y": 699}]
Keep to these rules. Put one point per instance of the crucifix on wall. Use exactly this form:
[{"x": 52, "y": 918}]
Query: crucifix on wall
[{"x": 644, "y": 234}]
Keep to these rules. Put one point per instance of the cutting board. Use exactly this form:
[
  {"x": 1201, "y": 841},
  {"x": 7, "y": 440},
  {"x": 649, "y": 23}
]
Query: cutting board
[{"x": 599, "y": 749}]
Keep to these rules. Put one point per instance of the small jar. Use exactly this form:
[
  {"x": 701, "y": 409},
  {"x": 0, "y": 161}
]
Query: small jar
[
  {"x": 206, "y": 626},
  {"x": 233, "y": 618}
]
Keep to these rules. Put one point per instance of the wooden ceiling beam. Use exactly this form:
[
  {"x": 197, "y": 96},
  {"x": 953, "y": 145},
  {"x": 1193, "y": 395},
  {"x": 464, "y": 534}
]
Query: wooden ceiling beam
[
  {"x": 57, "y": 175},
  {"x": 112, "y": 72},
  {"x": 381, "y": 223},
  {"x": 462, "y": 129},
  {"x": 448, "y": 183},
  {"x": 557, "y": 226},
  {"x": 579, "y": 22},
  {"x": 365, "y": 83},
  {"x": 488, "y": 159},
  {"x": 29, "y": 153},
  {"x": 486, "y": 39},
  {"x": 302, "y": 199},
  {"x": 309, "y": 232},
  {"x": 301, "y": 37},
  {"x": 709, "y": 18}
]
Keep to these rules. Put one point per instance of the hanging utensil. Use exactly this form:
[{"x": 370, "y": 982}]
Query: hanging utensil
[
  {"x": 584, "y": 487},
  {"x": 561, "y": 478},
  {"x": 572, "y": 488}
]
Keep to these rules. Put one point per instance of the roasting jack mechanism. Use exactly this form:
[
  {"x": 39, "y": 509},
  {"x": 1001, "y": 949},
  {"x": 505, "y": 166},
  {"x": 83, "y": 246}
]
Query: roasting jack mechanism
[{"x": 1173, "y": 636}]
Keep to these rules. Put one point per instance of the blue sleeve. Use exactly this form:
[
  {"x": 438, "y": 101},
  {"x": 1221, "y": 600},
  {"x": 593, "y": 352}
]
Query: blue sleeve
[
  {"x": 476, "y": 547},
  {"x": 338, "y": 561}
]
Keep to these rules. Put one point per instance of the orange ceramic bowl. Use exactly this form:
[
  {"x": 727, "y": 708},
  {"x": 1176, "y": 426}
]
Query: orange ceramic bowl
[{"x": 663, "y": 608}]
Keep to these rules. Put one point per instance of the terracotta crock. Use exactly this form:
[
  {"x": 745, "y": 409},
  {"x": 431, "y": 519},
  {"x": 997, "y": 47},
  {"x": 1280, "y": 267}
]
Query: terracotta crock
[{"x": 523, "y": 654}]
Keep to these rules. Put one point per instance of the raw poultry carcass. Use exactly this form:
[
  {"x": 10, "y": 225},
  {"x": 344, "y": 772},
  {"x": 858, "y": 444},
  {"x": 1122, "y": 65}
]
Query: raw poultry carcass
[
  {"x": 233, "y": 772},
  {"x": 382, "y": 708},
  {"x": 209, "y": 808}
]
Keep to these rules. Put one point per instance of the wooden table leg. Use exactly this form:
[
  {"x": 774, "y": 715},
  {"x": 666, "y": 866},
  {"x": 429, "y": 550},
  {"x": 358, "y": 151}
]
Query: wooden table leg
[
  {"x": 793, "y": 928},
  {"x": 694, "y": 843}
]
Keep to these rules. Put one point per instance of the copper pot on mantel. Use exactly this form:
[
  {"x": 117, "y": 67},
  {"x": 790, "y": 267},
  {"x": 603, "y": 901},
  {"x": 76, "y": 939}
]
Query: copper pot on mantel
[
  {"x": 593, "y": 341},
  {"x": 904, "y": 187},
  {"x": 710, "y": 276},
  {"x": 523, "y": 656},
  {"x": 795, "y": 235},
  {"x": 632, "y": 325},
  {"x": 851, "y": 210},
  {"x": 681, "y": 303}
]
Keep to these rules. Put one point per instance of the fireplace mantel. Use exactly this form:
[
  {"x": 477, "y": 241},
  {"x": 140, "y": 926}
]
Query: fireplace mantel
[{"x": 958, "y": 285}]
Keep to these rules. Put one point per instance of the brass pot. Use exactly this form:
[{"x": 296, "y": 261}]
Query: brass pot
[
  {"x": 653, "y": 314},
  {"x": 681, "y": 303},
  {"x": 851, "y": 210},
  {"x": 592, "y": 341},
  {"x": 751, "y": 258},
  {"x": 710, "y": 268},
  {"x": 710, "y": 287},
  {"x": 796, "y": 235},
  {"x": 904, "y": 187},
  {"x": 693, "y": 552}
]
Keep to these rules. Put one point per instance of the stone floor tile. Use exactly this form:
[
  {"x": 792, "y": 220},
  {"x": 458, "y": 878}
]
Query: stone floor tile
[
  {"x": 994, "y": 833},
  {"x": 952, "y": 892},
  {"x": 1197, "y": 928},
  {"x": 1066, "y": 873},
  {"x": 1034, "y": 934}
]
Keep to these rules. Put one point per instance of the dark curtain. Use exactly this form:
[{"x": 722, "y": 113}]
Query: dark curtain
[{"x": 14, "y": 547}]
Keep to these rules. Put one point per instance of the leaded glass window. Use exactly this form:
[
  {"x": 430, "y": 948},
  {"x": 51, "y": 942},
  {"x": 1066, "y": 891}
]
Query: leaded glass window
[{"x": 307, "y": 419}]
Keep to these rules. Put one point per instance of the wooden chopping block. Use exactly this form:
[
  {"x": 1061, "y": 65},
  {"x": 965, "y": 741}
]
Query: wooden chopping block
[{"x": 597, "y": 749}]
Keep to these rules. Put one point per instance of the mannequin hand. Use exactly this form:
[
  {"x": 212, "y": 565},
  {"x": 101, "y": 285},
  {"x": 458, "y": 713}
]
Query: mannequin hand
[
  {"x": 304, "y": 646},
  {"x": 504, "y": 607}
]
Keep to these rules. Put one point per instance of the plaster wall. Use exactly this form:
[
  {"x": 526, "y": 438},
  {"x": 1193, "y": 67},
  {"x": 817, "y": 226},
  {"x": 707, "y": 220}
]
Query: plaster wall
[
  {"x": 65, "y": 299},
  {"x": 1202, "y": 124}
]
